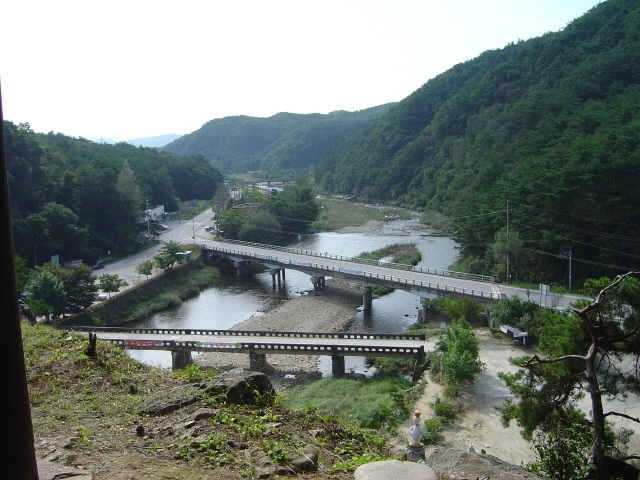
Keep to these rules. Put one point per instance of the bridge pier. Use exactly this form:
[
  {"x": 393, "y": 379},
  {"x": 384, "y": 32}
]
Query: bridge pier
[
  {"x": 275, "y": 272},
  {"x": 180, "y": 359},
  {"x": 425, "y": 307},
  {"x": 318, "y": 283},
  {"x": 337, "y": 365},
  {"x": 257, "y": 361},
  {"x": 239, "y": 268},
  {"x": 487, "y": 312},
  {"x": 367, "y": 298}
]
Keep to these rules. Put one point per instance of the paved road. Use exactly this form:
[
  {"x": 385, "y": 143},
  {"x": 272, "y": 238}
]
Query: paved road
[{"x": 181, "y": 231}]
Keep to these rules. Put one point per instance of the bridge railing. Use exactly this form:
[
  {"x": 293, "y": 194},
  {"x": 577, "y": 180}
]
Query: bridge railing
[
  {"x": 405, "y": 282},
  {"x": 368, "y": 261},
  {"x": 254, "y": 333}
]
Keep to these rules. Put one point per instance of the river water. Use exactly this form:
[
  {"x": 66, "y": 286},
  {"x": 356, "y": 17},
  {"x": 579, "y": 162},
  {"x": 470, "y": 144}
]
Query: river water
[{"x": 239, "y": 298}]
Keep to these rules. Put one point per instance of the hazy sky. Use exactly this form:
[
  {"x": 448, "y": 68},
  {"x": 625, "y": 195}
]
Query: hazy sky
[{"x": 140, "y": 68}]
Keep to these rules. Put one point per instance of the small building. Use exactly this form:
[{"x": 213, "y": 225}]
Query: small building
[{"x": 184, "y": 256}]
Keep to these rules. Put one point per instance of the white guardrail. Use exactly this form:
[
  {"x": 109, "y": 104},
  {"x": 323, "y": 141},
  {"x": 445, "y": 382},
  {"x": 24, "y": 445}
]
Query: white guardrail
[{"x": 390, "y": 278}]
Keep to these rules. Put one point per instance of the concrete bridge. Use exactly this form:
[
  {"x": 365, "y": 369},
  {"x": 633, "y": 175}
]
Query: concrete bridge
[
  {"x": 424, "y": 282},
  {"x": 181, "y": 342}
]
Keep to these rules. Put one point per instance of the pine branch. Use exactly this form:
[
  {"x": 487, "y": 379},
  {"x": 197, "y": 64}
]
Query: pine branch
[{"x": 623, "y": 415}]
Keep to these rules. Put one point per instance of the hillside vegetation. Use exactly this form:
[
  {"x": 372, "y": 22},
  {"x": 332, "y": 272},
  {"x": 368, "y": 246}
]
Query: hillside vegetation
[
  {"x": 86, "y": 411},
  {"x": 79, "y": 200},
  {"x": 550, "y": 124},
  {"x": 280, "y": 144}
]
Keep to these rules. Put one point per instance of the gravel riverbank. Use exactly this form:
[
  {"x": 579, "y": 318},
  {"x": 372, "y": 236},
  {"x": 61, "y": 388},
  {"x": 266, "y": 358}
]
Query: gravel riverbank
[{"x": 330, "y": 311}]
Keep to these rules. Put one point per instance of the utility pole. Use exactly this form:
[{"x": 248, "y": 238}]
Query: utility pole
[
  {"x": 147, "y": 214},
  {"x": 508, "y": 274},
  {"x": 570, "y": 277}
]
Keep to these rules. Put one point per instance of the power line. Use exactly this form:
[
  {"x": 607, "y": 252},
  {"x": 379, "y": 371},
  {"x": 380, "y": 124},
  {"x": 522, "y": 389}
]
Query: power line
[
  {"x": 581, "y": 260},
  {"x": 583, "y": 218},
  {"x": 597, "y": 233}
]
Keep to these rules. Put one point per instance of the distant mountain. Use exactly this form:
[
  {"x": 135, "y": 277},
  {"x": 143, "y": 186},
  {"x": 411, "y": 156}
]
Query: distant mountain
[
  {"x": 285, "y": 141},
  {"x": 151, "y": 142},
  {"x": 154, "y": 142}
]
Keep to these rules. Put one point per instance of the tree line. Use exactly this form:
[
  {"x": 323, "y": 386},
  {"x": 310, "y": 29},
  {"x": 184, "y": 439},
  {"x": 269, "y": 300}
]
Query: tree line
[{"x": 80, "y": 200}]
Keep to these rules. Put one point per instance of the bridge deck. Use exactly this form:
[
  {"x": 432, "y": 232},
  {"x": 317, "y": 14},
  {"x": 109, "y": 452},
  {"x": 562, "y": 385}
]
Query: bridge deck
[
  {"x": 229, "y": 341},
  {"x": 368, "y": 271}
]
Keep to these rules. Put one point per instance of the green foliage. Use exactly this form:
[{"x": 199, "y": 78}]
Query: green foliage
[
  {"x": 392, "y": 365},
  {"x": 550, "y": 124},
  {"x": 145, "y": 267},
  {"x": 260, "y": 227},
  {"x": 22, "y": 273},
  {"x": 110, "y": 283},
  {"x": 47, "y": 290},
  {"x": 434, "y": 428},
  {"x": 79, "y": 199},
  {"x": 336, "y": 214},
  {"x": 456, "y": 357},
  {"x": 290, "y": 212},
  {"x": 277, "y": 451},
  {"x": 401, "y": 253},
  {"x": 522, "y": 314},
  {"x": 168, "y": 255},
  {"x": 372, "y": 402},
  {"x": 585, "y": 353},
  {"x": 563, "y": 453},
  {"x": 279, "y": 144}
]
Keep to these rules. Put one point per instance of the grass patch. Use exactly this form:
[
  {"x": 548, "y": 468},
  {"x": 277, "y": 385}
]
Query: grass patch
[
  {"x": 402, "y": 253},
  {"x": 337, "y": 214},
  {"x": 374, "y": 402},
  {"x": 437, "y": 220}
]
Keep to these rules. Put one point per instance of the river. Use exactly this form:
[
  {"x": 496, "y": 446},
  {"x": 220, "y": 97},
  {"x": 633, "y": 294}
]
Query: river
[{"x": 238, "y": 298}]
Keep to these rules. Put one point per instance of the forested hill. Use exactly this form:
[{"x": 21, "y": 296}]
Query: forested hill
[
  {"x": 550, "y": 124},
  {"x": 78, "y": 199},
  {"x": 281, "y": 143}
]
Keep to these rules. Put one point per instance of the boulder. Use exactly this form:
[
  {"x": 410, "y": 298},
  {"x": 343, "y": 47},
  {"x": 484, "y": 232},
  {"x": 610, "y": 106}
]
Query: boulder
[
  {"x": 388, "y": 469},
  {"x": 241, "y": 386},
  {"x": 166, "y": 401},
  {"x": 457, "y": 463},
  {"x": 307, "y": 459}
]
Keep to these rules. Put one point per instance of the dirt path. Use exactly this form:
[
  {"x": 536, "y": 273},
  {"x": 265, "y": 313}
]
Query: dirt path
[{"x": 479, "y": 424}]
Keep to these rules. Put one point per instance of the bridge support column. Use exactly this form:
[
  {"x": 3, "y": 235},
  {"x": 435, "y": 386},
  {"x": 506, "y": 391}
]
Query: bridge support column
[
  {"x": 238, "y": 266},
  {"x": 257, "y": 361},
  {"x": 487, "y": 312},
  {"x": 425, "y": 308},
  {"x": 275, "y": 272},
  {"x": 367, "y": 298},
  {"x": 337, "y": 365},
  {"x": 180, "y": 359},
  {"x": 318, "y": 283}
]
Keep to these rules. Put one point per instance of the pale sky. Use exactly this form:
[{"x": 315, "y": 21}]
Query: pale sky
[{"x": 140, "y": 68}]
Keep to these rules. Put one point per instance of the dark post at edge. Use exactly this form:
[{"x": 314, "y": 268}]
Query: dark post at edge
[{"x": 18, "y": 460}]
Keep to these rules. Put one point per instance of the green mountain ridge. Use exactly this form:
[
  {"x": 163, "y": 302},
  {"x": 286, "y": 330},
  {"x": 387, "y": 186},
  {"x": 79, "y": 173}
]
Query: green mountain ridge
[
  {"x": 550, "y": 124},
  {"x": 282, "y": 142}
]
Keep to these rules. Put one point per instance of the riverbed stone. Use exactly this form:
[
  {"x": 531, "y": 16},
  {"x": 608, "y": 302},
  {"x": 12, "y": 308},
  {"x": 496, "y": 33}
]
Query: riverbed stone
[{"x": 388, "y": 469}]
